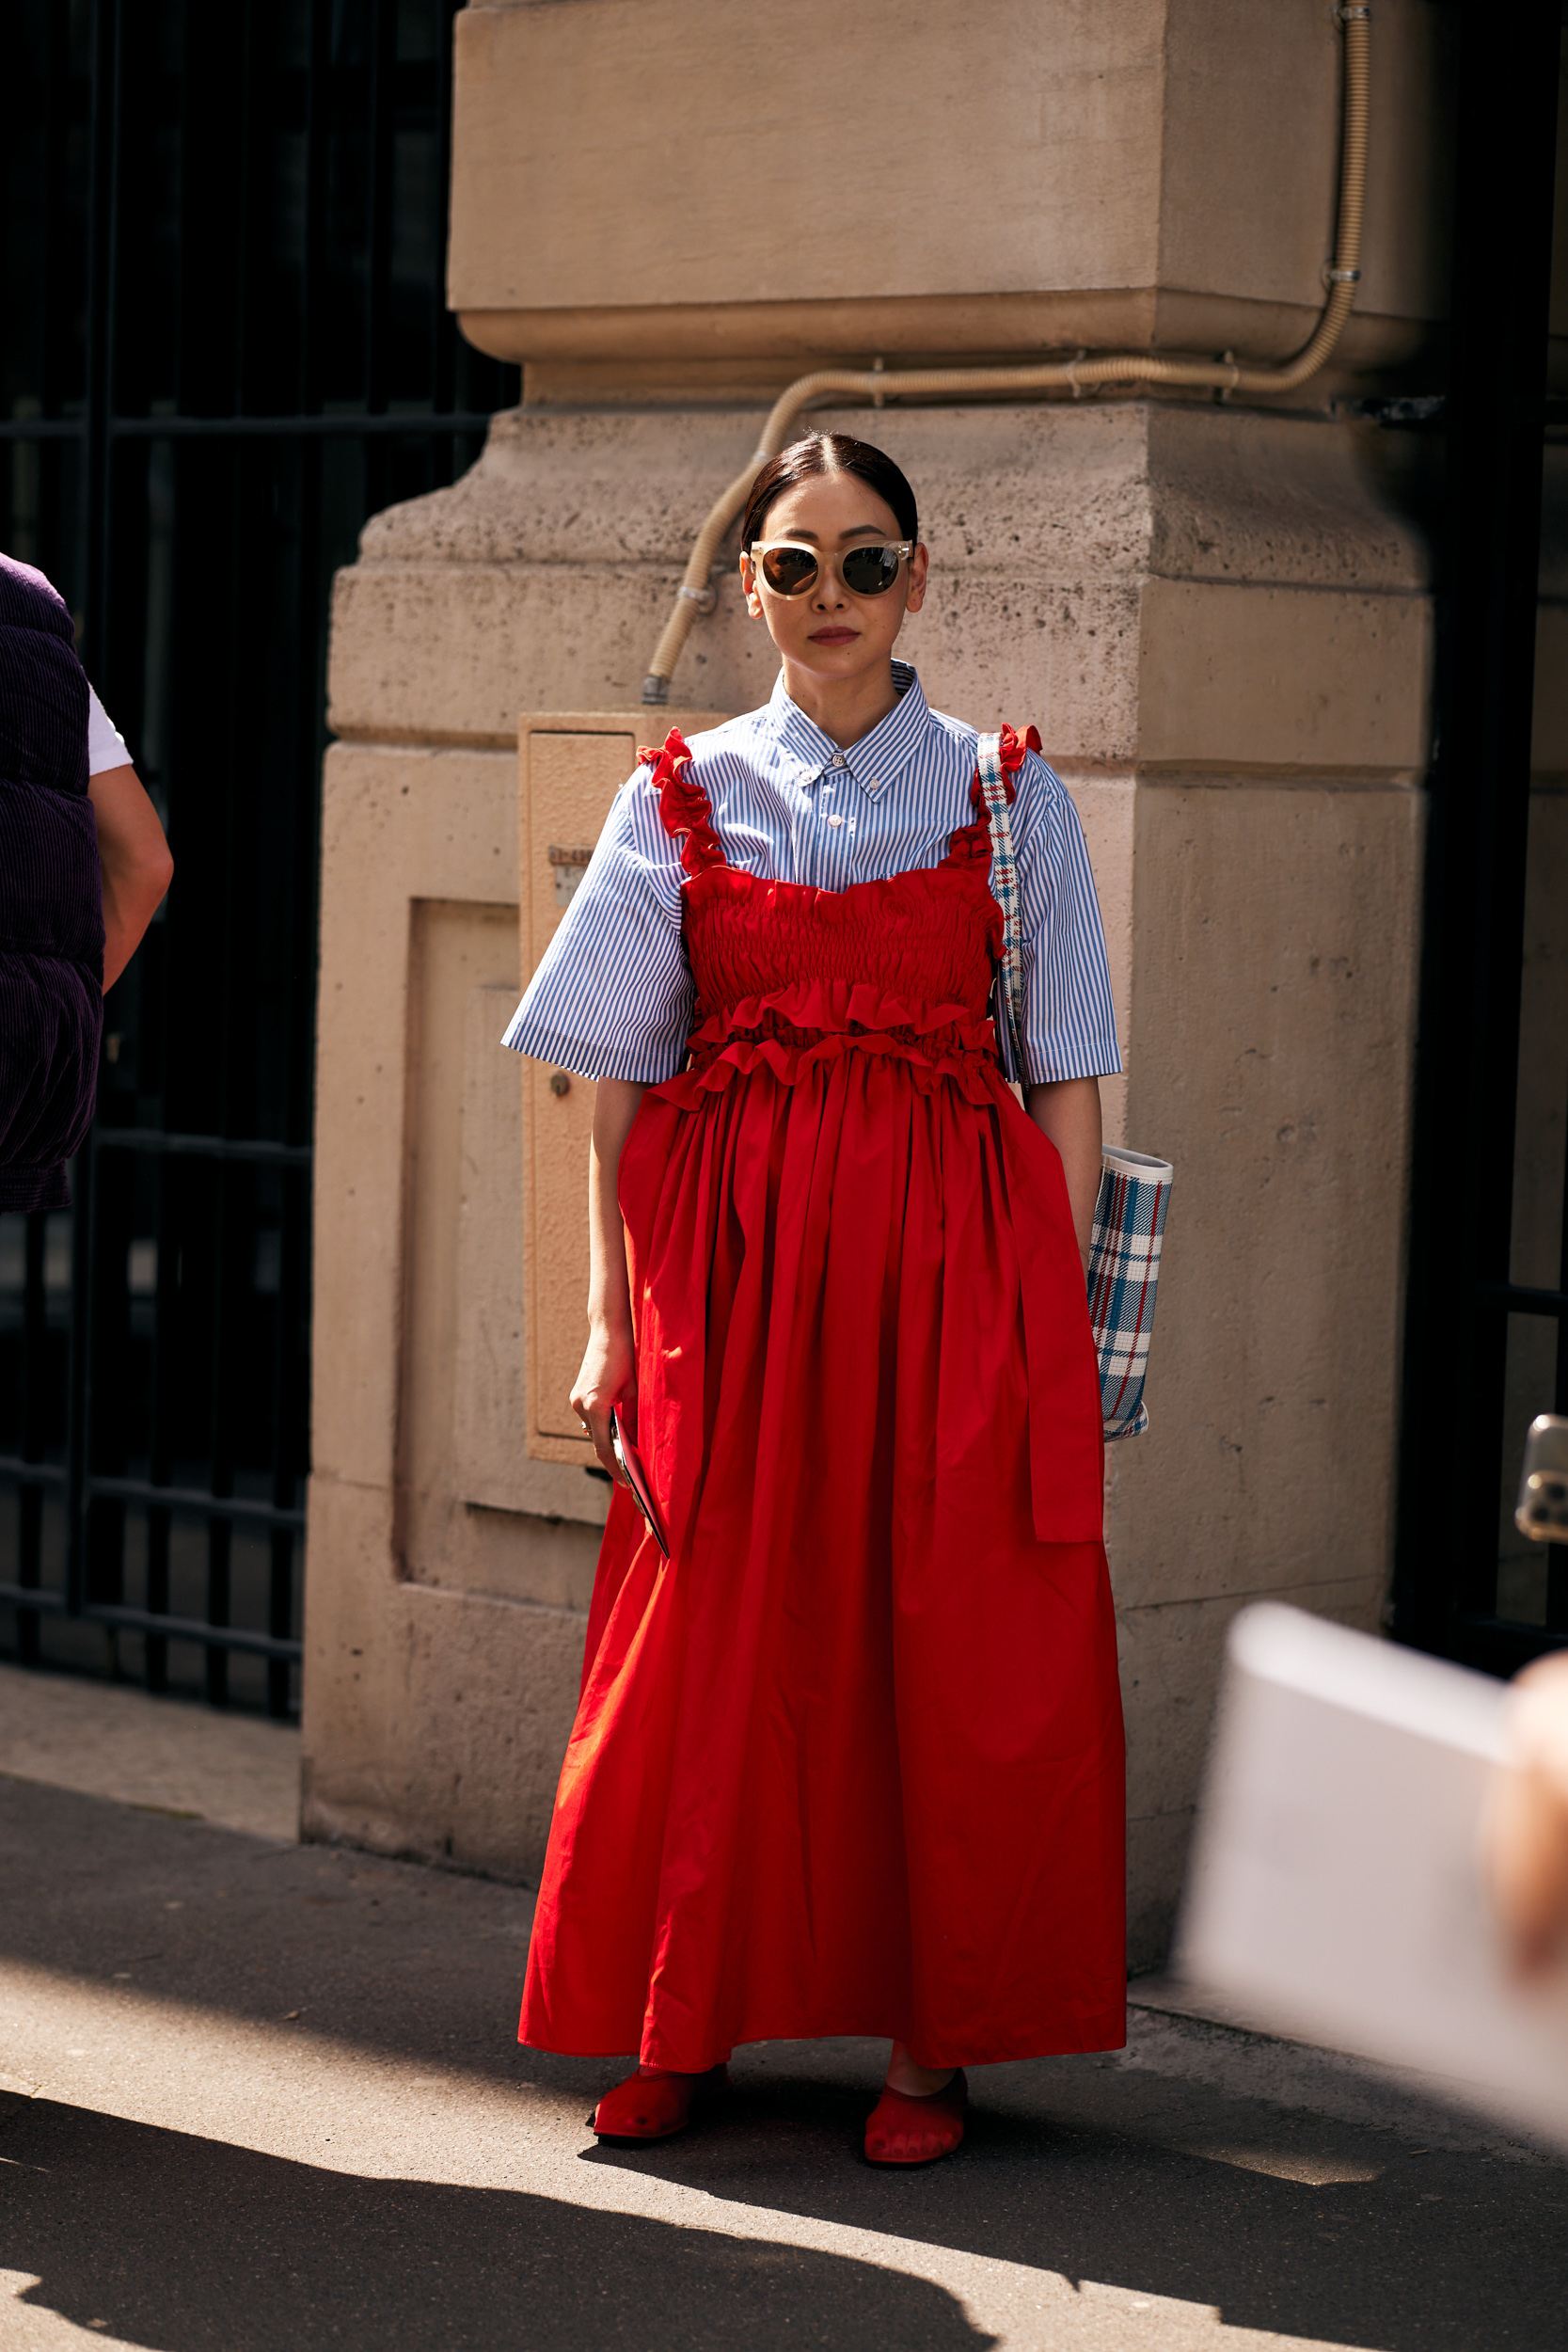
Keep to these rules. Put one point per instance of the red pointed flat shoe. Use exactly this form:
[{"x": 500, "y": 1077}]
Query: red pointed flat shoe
[
  {"x": 654, "y": 2105},
  {"x": 905, "y": 2130}
]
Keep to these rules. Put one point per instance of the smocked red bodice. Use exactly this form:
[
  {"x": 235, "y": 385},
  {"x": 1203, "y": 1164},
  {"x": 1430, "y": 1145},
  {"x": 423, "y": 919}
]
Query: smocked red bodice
[{"x": 789, "y": 974}]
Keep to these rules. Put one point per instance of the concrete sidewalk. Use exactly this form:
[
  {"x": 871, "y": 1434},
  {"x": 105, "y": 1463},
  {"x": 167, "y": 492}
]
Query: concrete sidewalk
[
  {"x": 258, "y": 2097},
  {"x": 111, "y": 1740}
]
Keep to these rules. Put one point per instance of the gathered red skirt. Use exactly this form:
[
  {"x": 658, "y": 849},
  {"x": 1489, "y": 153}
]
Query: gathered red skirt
[{"x": 850, "y": 1762}]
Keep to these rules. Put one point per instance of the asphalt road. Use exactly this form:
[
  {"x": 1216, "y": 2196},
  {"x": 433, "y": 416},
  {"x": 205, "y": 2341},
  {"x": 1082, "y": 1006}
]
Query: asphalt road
[{"x": 259, "y": 2096}]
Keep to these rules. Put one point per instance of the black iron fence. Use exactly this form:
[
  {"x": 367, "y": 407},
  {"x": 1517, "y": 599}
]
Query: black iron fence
[
  {"x": 1487, "y": 1326},
  {"x": 226, "y": 344}
]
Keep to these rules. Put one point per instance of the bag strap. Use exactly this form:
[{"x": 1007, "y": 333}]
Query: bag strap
[{"x": 1004, "y": 890}]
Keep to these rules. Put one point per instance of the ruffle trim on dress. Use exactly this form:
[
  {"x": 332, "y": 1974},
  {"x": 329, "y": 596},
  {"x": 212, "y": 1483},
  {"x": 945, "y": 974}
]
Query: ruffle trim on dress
[
  {"x": 793, "y": 1029},
  {"x": 685, "y": 807},
  {"x": 973, "y": 842}
]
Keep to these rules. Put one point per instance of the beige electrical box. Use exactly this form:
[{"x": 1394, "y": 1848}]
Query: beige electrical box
[{"x": 571, "y": 765}]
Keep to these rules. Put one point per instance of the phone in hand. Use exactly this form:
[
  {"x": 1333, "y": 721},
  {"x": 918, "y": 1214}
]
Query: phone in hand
[{"x": 636, "y": 1479}]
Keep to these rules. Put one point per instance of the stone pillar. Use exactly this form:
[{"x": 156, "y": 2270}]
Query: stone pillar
[{"x": 1217, "y": 618}]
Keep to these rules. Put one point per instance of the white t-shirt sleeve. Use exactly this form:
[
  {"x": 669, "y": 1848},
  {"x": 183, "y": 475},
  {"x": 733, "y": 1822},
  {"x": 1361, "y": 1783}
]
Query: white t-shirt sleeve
[{"x": 106, "y": 746}]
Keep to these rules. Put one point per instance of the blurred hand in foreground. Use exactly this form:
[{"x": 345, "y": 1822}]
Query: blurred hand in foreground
[{"x": 1527, "y": 1831}]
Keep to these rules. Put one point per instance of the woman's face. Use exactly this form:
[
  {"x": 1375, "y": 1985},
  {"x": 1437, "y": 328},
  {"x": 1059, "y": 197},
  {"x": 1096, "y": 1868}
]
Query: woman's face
[{"x": 829, "y": 632}]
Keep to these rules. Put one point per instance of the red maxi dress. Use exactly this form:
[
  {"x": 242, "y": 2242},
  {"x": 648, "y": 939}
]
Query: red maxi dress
[{"x": 851, "y": 1761}]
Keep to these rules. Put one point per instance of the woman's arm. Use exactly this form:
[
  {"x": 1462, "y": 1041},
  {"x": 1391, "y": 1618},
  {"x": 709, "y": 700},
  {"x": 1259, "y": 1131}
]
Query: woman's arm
[
  {"x": 1069, "y": 1112},
  {"x": 608, "y": 1372},
  {"x": 137, "y": 867}
]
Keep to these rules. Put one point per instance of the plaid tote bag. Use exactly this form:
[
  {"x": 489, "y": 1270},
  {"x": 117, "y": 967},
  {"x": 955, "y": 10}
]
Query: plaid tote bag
[
  {"x": 1135, "y": 1189},
  {"x": 1124, "y": 1268}
]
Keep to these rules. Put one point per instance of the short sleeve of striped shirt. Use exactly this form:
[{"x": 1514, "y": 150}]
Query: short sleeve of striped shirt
[
  {"x": 613, "y": 994},
  {"x": 613, "y": 997},
  {"x": 1069, "y": 1020}
]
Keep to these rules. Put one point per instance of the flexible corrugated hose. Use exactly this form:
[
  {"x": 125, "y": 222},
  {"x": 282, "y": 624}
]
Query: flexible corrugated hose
[{"x": 695, "y": 595}]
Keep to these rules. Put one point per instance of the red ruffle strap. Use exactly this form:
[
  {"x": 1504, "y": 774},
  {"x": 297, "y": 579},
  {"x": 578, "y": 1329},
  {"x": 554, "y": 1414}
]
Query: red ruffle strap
[
  {"x": 974, "y": 841},
  {"x": 682, "y": 806}
]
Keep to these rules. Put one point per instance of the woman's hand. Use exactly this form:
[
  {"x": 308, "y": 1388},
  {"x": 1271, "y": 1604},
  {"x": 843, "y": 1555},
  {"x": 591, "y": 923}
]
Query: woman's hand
[
  {"x": 608, "y": 1379},
  {"x": 609, "y": 1374},
  {"x": 1527, "y": 1830}
]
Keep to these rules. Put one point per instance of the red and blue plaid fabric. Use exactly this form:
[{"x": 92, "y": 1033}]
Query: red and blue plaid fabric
[
  {"x": 1124, "y": 1270},
  {"x": 1004, "y": 890}
]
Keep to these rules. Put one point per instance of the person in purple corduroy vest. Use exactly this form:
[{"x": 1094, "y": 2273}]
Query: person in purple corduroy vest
[{"x": 82, "y": 866}]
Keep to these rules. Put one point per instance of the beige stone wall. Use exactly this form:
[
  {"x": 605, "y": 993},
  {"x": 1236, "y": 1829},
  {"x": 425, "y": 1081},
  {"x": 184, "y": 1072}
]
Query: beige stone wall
[
  {"x": 684, "y": 192},
  {"x": 1219, "y": 622},
  {"x": 1218, "y": 619},
  {"x": 446, "y": 1573}
]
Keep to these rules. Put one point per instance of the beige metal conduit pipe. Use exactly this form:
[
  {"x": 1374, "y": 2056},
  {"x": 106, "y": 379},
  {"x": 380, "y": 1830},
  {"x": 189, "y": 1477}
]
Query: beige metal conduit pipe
[{"x": 695, "y": 595}]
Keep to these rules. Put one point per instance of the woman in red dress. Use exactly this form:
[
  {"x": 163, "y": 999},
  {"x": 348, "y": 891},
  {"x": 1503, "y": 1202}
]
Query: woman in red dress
[{"x": 849, "y": 1760}]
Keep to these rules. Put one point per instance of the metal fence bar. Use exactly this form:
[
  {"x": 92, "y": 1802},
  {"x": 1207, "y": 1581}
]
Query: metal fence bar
[
  {"x": 342, "y": 425},
  {"x": 149, "y": 1621},
  {"x": 318, "y": 124},
  {"x": 160, "y": 1446},
  {"x": 33, "y": 1370},
  {"x": 197, "y": 1499},
  {"x": 215, "y": 1639},
  {"x": 32, "y": 1600},
  {"x": 291, "y": 1440},
  {"x": 22, "y": 1472},
  {"x": 413, "y": 424},
  {"x": 380, "y": 101},
  {"x": 1517, "y": 1300},
  {"x": 92, "y": 597},
  {"x": 258, "y": 1149},
  {"x": 442, "y": 342}
]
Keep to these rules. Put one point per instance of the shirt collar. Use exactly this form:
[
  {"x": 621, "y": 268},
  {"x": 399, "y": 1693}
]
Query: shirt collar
[{"x": 878, "y": 757}]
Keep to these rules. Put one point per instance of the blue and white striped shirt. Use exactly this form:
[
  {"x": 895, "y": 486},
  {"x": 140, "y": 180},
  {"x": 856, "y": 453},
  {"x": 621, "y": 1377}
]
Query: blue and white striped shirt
[{"x": 613, "y": 994}]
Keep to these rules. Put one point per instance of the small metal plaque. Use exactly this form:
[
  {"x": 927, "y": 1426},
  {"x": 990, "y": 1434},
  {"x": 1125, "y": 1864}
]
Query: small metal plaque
[{"x": 570, "y": 865}]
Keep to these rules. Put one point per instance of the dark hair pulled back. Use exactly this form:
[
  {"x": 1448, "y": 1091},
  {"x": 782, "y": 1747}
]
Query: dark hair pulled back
[{"x": 823, "y": 454}]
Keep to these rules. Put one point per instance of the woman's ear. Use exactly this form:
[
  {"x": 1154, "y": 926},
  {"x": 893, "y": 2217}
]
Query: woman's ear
[
  {"x": 748, "y": 588},
  {"x": 920, "y": 563}
]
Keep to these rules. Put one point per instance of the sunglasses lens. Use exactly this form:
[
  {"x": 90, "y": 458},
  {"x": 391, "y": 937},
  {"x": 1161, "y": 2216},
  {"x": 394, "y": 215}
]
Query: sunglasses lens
[
  {"x": 789, "y": 571},
  {"x": 870, "y": 571}
]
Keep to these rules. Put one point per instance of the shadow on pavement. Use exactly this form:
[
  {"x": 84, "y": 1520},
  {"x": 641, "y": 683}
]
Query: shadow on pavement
[
  {"x": 1433, "y": 2252},
  {"x": 189, "y": 2245},
  {"x": 1081, "y": 2167}
]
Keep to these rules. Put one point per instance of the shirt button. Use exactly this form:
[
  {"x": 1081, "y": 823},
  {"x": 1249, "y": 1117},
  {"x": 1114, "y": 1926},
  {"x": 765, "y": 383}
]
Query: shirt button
[
  {"x": 835, "y": 819},
  {"x": 839, "y": 761}
]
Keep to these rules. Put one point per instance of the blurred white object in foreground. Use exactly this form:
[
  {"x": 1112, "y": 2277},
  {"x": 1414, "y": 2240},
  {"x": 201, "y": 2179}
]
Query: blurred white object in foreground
[{"x": 1336, "y": 1891}]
